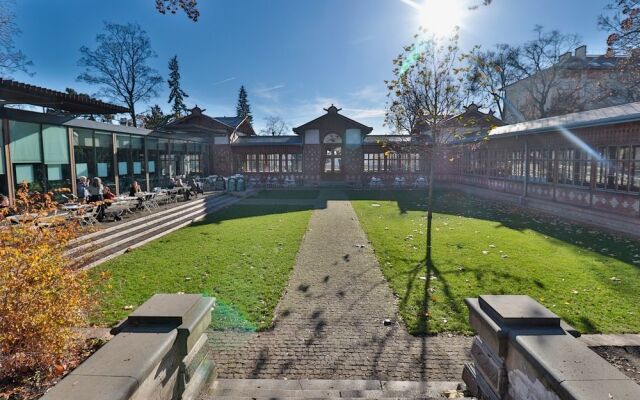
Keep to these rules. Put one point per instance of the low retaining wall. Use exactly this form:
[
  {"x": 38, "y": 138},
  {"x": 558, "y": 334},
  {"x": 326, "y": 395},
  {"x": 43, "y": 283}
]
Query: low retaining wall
[
  {"x": 158, "y": 352},
  {"x": 523, "y": 351},
  {"x": 589, "y": 216}
]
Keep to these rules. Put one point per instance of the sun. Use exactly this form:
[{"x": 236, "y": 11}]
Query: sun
[{"x": 441, "y": 17}]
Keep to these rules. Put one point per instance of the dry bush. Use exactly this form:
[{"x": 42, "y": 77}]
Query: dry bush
[{"x": 42, "y": 299}]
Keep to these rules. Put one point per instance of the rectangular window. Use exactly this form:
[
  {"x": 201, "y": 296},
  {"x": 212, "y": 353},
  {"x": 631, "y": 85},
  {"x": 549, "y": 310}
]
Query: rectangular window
[
  {"x": 635, "y": 170},
  {"x": 273, "y": 163},
  {"x": 25, "y": 142},
  {"x": 515, "y": 164},
  {"x": 617, "y": 168},
  {"x": 55, "y": 144}
]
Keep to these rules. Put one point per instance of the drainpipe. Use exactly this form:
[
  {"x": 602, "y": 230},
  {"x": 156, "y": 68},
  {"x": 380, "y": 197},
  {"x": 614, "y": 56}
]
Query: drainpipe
[
  {"x": 72, "y": 161},
  {"x": 116, "y": 171},
  {"x": 7, "y": 161}
]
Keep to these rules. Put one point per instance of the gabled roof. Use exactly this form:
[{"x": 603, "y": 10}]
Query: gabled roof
[
  {"x": 603, "y": 116},
  {"x": 287, "y": 140},
  {"x": 333, "y": 112},
  {"x": 12, "y": 92},
  {"x": 232, "y": 122},
  {"x": 474, "y": 119},
  {"x": 223, "y": 124}
]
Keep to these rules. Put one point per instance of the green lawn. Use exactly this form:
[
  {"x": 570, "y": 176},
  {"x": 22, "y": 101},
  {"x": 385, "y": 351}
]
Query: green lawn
[
  {"x": 242, "y": 256},
  {"x": 482, "y": 247}
]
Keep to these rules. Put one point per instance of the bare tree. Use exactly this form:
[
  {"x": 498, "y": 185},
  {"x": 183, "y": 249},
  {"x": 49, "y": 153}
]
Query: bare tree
[
  {"x": 622, "y": 21},
  {"x": 119, "y": 66},
  {"x": 274, "y": 126},
  {"x": 11, "y": 59},
  {"x": 427, "y": 91},
  {"x": 190, "y": 7},
  {"x": 490, "y": 72},
  {"x": 542, "y": 72}
]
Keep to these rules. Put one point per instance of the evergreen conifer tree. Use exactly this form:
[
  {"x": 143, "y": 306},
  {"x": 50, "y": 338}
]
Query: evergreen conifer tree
[
  {"x": 176, "y": 94},
  {"x": 243, "y": 109}
]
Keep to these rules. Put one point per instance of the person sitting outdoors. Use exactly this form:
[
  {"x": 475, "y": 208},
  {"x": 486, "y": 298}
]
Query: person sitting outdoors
[
  {"x": 172, "y": 183},
  {"x": 195, "y": 187},
  {"x": 83, "y": 189},
  {"x": 95, "y": 190},
  {"x": 184, "y": 192},
  {"x": 107, "y": 194},
  {"x": 134, "y": 189}
]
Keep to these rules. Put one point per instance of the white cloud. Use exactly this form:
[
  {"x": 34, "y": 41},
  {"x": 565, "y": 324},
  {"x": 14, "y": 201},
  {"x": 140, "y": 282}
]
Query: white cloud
[
  {"x": 224, "y": 81},
  {"x": 268, "y": 92}
]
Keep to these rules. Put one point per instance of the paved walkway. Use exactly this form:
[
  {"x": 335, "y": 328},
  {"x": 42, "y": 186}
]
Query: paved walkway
[{"x": 330, "y": 322}]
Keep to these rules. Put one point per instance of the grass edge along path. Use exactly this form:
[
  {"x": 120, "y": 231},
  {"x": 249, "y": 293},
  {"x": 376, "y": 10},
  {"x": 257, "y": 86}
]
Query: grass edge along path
[
  {"x": 241, "y": 255},
  {"x": 589, "y": 278}
]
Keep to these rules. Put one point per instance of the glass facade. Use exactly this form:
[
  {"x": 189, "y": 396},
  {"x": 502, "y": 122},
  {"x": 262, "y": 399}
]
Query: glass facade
[{"x": 40, "y": 156}]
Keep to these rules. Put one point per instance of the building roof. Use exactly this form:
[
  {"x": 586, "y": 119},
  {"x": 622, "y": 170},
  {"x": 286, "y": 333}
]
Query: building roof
[
  {"x": 288, "y": 140},
  {"x": 377, "y": 139},
  {"x": 333, "y": 112},
  {"x": 603, "y": 116},
  {"x": 232, "y": 122},
  {"x": 102, "y": 126},
  {"x": 197, "y": 121},
  {"x": 13, "y": 92}
]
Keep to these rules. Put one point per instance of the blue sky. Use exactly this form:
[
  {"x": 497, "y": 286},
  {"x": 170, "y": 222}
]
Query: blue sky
[{"x": 293, "y": 56}]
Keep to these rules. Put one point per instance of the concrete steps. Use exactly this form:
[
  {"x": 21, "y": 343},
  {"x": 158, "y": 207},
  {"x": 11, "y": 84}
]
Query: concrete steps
[
  {"x": 97, "y": 247},
  {"x": 273, "y": 389}
]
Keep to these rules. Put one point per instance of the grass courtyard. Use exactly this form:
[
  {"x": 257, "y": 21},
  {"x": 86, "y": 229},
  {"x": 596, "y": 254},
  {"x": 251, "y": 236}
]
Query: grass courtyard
[
  {"x": 242, "y": 256},
  {"x": 589, "y": 278}
]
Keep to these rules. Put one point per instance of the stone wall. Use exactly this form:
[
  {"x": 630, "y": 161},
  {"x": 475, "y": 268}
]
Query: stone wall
[
  {"x": 159, "y": 352},
  {"x": 523, "y": 351}
]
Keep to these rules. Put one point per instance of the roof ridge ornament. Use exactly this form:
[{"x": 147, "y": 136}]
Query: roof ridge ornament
[{"x": 333, "y": 109}]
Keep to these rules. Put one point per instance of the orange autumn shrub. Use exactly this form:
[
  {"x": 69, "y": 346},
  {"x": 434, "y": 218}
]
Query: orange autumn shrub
[{"x": 42, "y": 299}]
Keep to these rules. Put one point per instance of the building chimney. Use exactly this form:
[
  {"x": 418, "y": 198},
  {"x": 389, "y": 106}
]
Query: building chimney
[
  {"x": 581, "y": 52},
  {"x": 565, "y": 57}
]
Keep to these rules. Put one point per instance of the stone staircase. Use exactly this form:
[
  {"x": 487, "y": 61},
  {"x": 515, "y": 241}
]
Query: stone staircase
[
  {"x": 97, "y": 247},
  {"x": 272, "y": 389}
]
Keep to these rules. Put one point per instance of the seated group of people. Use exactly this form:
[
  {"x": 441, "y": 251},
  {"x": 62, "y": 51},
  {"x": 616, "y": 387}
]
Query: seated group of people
[
  {"x": 193, "y": 187},
  {"x": 97, "y": 192}
]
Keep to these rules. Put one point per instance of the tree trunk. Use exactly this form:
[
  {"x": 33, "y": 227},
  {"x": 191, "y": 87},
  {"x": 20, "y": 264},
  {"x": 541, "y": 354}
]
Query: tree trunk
[
  {"x": 429, "y": 261},
  {"x": 132, "y": 112}
]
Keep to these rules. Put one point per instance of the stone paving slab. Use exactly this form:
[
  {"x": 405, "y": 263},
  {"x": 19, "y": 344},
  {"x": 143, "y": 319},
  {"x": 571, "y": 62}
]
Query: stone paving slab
[
  {"x": 329, "y": 323},
  {"x": 623, "y": 340}
]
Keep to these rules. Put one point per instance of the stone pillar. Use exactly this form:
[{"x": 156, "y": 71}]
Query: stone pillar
[
  {"x": 523, "y": 351},
  {"x": 159, "y": 352}
]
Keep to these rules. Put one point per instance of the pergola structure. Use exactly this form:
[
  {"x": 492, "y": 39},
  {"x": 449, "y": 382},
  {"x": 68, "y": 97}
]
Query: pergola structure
[{"x": 13, "y": 92}]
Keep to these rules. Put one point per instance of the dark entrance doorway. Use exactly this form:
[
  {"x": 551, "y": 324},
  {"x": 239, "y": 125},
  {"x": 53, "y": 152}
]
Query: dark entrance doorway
[{"x": 332, "y": 163}]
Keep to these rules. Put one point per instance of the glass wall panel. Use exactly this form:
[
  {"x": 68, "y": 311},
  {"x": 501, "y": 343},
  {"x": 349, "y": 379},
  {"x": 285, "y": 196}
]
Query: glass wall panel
[
  {"x": 104, "y": 159},
  {"x": 153, "y": 162},
  {"x": 167, "y": 160},
  {"x": 179, "y": 150},
  {"x": 55, "y": 145},
  {"x": 124, "y": 167},
  {"x": 138, "y": 169},
  {"x": 84, "y": 153},
  {"x": 26, "y": 155}
]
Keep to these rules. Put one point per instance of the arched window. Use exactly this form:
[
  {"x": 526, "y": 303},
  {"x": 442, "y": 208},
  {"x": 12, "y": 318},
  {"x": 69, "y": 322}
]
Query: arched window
[{"x": 332, "y": 138}]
